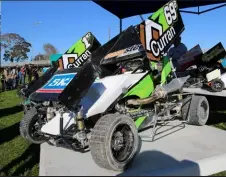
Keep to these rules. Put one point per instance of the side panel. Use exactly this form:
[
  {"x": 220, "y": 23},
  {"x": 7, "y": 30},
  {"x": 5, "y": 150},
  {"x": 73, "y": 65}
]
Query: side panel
[
  {"x": 105, "y": 91},
  {"x": 53, "y": 126},
  {"x": 143, "y": 88},
  {"x": 166, "y": 70}
]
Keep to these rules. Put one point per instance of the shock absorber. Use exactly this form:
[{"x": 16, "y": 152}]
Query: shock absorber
[
  {"x": 81, "y": 134},
  {"x": 79, "y": 120}
]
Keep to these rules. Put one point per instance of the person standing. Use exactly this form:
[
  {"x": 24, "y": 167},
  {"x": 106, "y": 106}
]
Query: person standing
[
  {"x": 18, "y": 75},
  {"x": 29, "y": 73},
  {"x": 22, "y": 70},
  {"x": 13, "y": 75},
  {"x": 4, "y": 78},
  {"x": 177, "y": 51},
  {"x": 35, "y": 72}
]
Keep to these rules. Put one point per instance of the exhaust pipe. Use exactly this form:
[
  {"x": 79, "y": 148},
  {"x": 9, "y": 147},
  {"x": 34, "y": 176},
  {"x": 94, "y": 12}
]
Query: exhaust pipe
[{"x": 157, "y": 94}]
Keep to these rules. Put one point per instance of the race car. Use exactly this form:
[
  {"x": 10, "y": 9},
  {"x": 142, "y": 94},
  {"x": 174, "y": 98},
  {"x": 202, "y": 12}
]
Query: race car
[{"x": 102, "y": 108}]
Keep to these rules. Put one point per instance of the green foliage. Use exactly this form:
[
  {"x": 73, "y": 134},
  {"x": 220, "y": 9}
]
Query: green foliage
[
  {"x": 49, "y": 49},
  {"x": 41, "y": 57},
  {"x": 15, "y": 47}
]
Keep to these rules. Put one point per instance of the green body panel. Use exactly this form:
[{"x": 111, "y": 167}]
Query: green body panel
[
  {"x": 143, "y": 89},
  {"x": 153, "y": 64},
  {"x": 139, "y": 121},
  {"x": 146, "y": 86},
  {"x": 79, "y": 48},
  {"x": 166, "y": 70}
]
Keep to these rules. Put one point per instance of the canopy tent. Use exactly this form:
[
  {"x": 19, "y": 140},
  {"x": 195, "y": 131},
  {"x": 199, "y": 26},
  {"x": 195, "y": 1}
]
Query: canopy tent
[{"x": 128, "y": 8}]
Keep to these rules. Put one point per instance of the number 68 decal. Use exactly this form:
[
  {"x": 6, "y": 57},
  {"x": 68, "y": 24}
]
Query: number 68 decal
[{"x": 170, "y": 12}]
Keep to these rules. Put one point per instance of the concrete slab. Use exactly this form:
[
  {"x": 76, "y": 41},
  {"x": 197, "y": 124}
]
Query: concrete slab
[{"x": 178, "y": 151}]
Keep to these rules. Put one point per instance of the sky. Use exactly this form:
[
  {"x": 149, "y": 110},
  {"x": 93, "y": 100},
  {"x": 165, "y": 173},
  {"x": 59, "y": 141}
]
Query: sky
[{"x": 65, "y": 22}]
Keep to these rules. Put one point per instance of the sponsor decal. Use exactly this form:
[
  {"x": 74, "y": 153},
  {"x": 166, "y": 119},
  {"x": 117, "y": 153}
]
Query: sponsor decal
[
  {"x": 57, "y": 83},
  {"x": 158, "y": 32},
  {"x": 79, "y": 53},
  {"x": 125, "y": 52},
  {"x": 132, "y": 50},
  {"x": 115, "y": 54}
]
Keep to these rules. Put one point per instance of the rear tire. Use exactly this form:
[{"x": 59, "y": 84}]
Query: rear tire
[
  {"x": 196, "y": 110},
  {"x": 27, "y": 125},
  {"x": 110, "y": 146}
]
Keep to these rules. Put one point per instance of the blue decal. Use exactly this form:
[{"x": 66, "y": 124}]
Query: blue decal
[{"x": 59, "y": 81}]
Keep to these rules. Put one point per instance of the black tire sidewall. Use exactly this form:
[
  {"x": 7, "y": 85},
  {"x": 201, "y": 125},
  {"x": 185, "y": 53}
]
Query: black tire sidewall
[
  {"x": 25, "y": 126},
  {"x": 121, "y": 120},
  {"x": 200, "y": 119},
  {"x": 101, "y": 139},
  {"x": 217, "y": 89}
]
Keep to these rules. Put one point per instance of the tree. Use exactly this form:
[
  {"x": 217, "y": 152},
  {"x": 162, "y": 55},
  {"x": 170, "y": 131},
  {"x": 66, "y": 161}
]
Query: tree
[
  {"x": 15, "y": 47},
  {"x": 49, "y": 49},
  {"x": 41, "y": 57}
]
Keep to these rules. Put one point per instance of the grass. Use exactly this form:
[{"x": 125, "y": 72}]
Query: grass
[{"x": 19, "y": 158}]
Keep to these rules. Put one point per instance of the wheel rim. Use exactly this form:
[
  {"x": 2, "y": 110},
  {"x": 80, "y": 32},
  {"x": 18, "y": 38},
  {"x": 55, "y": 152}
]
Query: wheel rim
[
  {"x": 203, "y": 110},
  {"x": 35, "y": 128},
  {"x": 217, "y": 85},
  {"x": 122, "y": 142}
]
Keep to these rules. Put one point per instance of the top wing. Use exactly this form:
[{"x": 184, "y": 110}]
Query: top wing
[{"x": 75, "y": 56}]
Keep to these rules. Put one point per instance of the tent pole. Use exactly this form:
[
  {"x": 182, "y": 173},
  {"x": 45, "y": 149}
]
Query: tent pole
[
  {"x": 142, "y": 19},
  {"x": 212, "y": 8},
  {"x": 120, "y": 25},
  {"x": 201, "y": 12}
]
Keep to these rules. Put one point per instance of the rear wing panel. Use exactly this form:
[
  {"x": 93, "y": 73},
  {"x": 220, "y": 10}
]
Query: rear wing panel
[
  {"x": 75, "y": 56},
  {"x": 79, "y": 86},
  {"x": 79, "y": 53},
  {"x": 158, "y": 32}
]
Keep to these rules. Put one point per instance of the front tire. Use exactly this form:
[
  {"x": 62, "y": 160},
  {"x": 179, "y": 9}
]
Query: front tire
[
  {"x": 30, "y": 127},
  {"x": 114, "y": 142}
]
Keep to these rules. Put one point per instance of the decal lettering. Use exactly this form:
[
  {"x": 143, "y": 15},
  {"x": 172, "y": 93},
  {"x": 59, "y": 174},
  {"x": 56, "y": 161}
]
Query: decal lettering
[
  {"x": 57, "y": 83},
  {"x": 157, "y": 46},
  {"x": 82, "y": 59},
  {"x": 79, "y": 53},
  {"x": 73, "y": 61},
  {"x": 54, "y": 82},
  {"x": 170, "y": 12},
  {"x": 114, "y": 54},
  {"x": 131, "y": 50},
  {"x": 158, "y": 31},
  {"x": 149, "y": 26},
  {"x": 69, "y": 60},
  {"x": 63, "y": 82},
  {"x": 85, "y": 40},
  {"x": 60, "y": 82}
]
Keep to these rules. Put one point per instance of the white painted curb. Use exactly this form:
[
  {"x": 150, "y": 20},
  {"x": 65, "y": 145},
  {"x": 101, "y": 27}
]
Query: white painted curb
[{"x": 204, "y": 167}]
